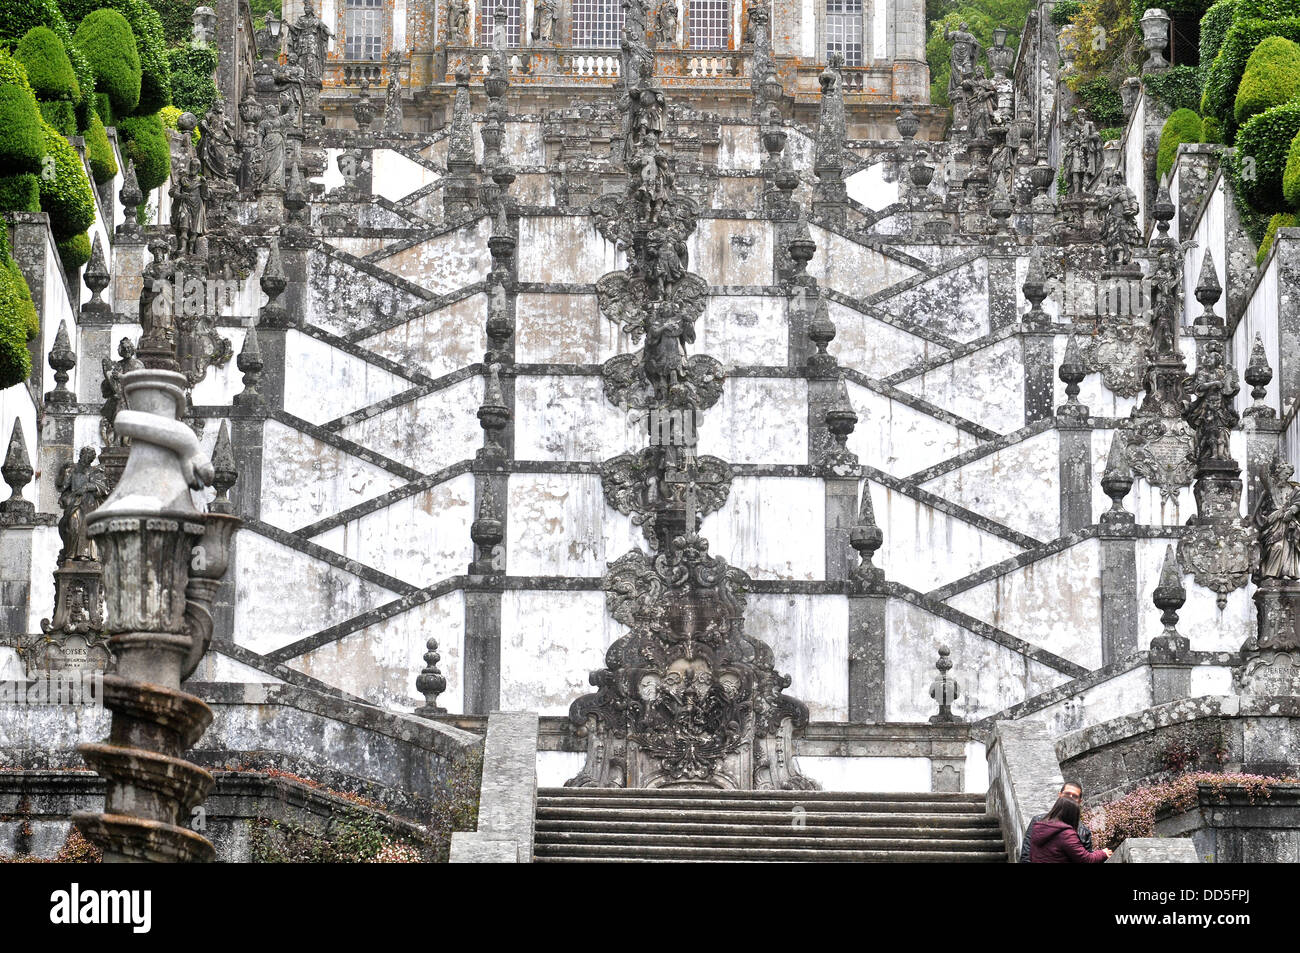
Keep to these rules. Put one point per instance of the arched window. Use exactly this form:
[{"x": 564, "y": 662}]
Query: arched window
[
  {"x": 486, "y": 17},
  {"x": 363, "y": 25},
  {"x": 708, "y": 24},
  {"x": 597, "y": 24},
  {"x": 844, "y": 30}
]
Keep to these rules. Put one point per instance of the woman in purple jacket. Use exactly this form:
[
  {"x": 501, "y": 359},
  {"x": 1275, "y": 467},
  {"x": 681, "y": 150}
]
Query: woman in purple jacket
[{"x": 1055, "y": 839}]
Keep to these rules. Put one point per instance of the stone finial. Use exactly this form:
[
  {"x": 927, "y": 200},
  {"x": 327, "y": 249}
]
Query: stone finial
[
  {"x": 224, "y": 473},
  {"x": 1117, "y": 480},
  {"x": 1163, "y": 212},
  {"x": 1258, "y": 375},
  {"x": 866, "y": 537},
  {"x": 273, "y": 283},
  {"x": 821, "y": 331},
  {"x": 487, "y": 531},
  {"x": 1072, "y": 372},
  {"x": 1169, "y": 596},
  {"x": 801, "y": 247},
  {"x": 62, "y": 359},
  {"x": 17, "y": 472},
  {"x": 493, "y": 415},
  {"x": 130, "y": 197},
  {"x": 249, "y": 363},
  {"x": 944, "y": 689},
  {"x": 363, "y": 110},
  {"x": 841, "y": 420},
  {"x": 1208, "y": 289},
  {"x": 1035, "y": 289},
  {"x": 907, "y": 123},
  {"x": 431, "y": 682},
  {"x": 96, "y": 277}
]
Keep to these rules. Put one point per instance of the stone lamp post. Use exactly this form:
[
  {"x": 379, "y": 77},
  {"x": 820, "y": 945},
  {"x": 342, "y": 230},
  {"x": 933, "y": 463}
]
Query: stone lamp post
[{"x": 162, "y": 561}]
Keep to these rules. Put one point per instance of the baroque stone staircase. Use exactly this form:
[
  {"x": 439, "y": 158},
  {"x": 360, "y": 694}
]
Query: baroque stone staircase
[{"x": 607, "y": 824}]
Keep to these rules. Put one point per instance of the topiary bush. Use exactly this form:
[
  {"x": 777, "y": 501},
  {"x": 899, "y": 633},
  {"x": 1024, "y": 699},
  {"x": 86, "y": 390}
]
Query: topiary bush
[
  {"x": 1271, "y": 78},
  {"x": 1177, "y": 88},
  {"x": 1224, "y": 74},
  {"x": 1183, "y": 125},
  {"x": 144, "y": 142},
  {"x": 106, "y": 40},
  {"x": 74, "y": 253},
  {"x": 99, "y": 152},
  {"x": 66, "y": 196},
  {"x": 22, "y": 147},
  {"x": 1267, "y": 9},
  {"x": 1214, "y": 27},
  {"x": 1260, "y": 157},
  {"x": 49, "y": 70},
  {"x": 1291, "y": 174},
  {"x": 1210, "y": 131},
  {"x": 18, "y": 17},
  {"x": 20, "y": 193},
  {"x": 18, "y": 324},
  {"x": 151, "y": 45},
  {"x": 61, "y": 115},
  {"x": 1280, "y": 220},
  {"x": 192, "y": 87}
]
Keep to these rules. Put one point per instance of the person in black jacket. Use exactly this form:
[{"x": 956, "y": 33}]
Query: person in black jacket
[{"x": 1074, "y": 791}]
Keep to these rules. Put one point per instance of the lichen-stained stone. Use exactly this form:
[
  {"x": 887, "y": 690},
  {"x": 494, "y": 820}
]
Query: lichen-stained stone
[
  {"x": 304, "y": 480},
  {"x": 763, "y": 528},
  {"x": 728, "y": 251},
  {"x": 533, "y": 188},
  {"x": 421, "y": 539},
  {"x": 222, "y": 668},
  {"x": 987, "y": 386},
  {"x": 1144, "y": 501},
  {"x": 738, "y": 149},
  {"x": 1032, "y": 466},
  {"x": 360, "y": 246},
  {"x": 523, "y": 143},
  {"x": 439, "y": 342},
  {"x": 744, "y": 329},
  {"x": 955, "y": 303},
  {"x": 45, "y": 552},
  {"x": 560, "y": 328},
  {"x": 308, "y": 594},
  {"x": 322, "y": 383},
  {"x": 899, "y": 439},
  {"x": 560, "y": 525},
  {"x": 343, "y": 298},
  {"x": 219, "y": 384},
  {"x": 875, "y": 347},
  {"x": 568, "y": 418},
  {"x": 1051, "y": 603},
  {"x": 564, "y": 249},
  {"x": 852, "y": 269},
  {"x": 1121, "y": 694},
  {"x": 379, "y": 663},
  {"x": 741, "y": 428},
  {"x": 396, "y": 176},
  {"x": 915, "y": 531},
  {"x": 444, "y": 262},
  {"x": 991, "y": 676},
  {"x": 550, "y": 642},
  {"x": 736, "y": 191},
  {"x": 429, "y": 433},
  {"x": 869, "y": 187},
  {"x": 937, "y": 256},
  {"x": 1100, "y": 400},
  {"x": 809, "y": 636},
  {"x": 1199, "y": 619}
]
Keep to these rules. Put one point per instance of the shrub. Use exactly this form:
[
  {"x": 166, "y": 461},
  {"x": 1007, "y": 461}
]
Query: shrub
[
  {"x": 1214, "y": 27},
  {"x": 1111, "y": 133},
  {"x": 177, "y": 22},
  {"x": 192, "y": 87},
  {"x": 108, "y": 43},
  {"x": 1267, "y": 9},
  {"x": 1291, "y": 174},
  {"x": 1064, "y": 11},
  {"x": 99, "y": 152},
  {"x": 1259, "y": 160},
  {"x": 1103, "y": 103},
  {"x": 18, "y": 324},
  {"x": 61, "y": 115},
  {"x": 151, "y": 46},
  {"x": 1182, "y": 126},
  {"x": 66, "y": 196},
  {"x": 49, "y": 71},
  {"x": 1224, "y": 74},
  {"x": 20, "y": 193},
  {"x": 1177, "y": 88},
  {"x": 18, "y": 17},
  {"x": 23, "y": 144},
  {"x": 104, "y": 110},
  {"x": 145, "y": 142},
  {"x": 1280, "y": 220},
  {"x": 1210, "y": 131},
  {"x": 74, "y": 253},
  {"x": 1271, "y": 78}
]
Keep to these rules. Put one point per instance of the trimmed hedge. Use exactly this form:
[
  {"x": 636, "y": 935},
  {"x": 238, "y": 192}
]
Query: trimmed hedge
[
  {"x": 108, "y": 43},
  {"x": 1291, "y": 174},
  {"x": 1214, "y": 28},
  {"x": 1267, "y": 9},
  {"x": 22, "y": 147},
  {"x": 1177, "y": 88},
  {"x": 18, "y": 324},
  {"x": 1271, "y": 78},
  {"x": 1281, "y": 220},
  {"x": 1260, "y": 157},
  {"x": 192, "y": 87},
  {"x": 20, "y": 193},
  {"x": 1182, "y": 126},
  {"x": 99, "y": 152},
  {"x": 1210, "y": 131},
  {"x": 1224, "y": 74},
  {"x": 144, "y": 142},
  {"x": 18, "y": 17},
  {"x": 74, "y": 253},
  {"x": 66, "y": 196},
  {"x": 151, "y": 45},
  {"x": 61, "y": 115},
  {"x": 49, "y": 70}
]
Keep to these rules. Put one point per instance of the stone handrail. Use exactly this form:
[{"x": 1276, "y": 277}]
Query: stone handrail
[
  {"x": 1024, "y": 778},
  {"x": 508, "y": 796}
]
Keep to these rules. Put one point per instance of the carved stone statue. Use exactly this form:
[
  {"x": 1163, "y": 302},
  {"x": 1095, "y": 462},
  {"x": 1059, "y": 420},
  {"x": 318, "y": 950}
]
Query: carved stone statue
[
  {"x": 309, "y": 38},
  {"x": 666, "y": 23},
  {"x": 1119, "y": 228},
  {"x": 1277, "y": 517},
  {"x": 114, "y": 395},
  {"x": 216, "y": 146},
  {"x": 82, "y": 487},
  {"x": 250, "y": 145},
  {"x": 756, "y": 16},
  {"x": 546, "y": 17},
  {"x": 273, "y": 131},
  {"x": 1082, "y": 154},
  {"x": 1211, "y": 413},
  {"x": 189, "y": 210},
  {"x": 981, "y": 104},
  {"x": 964, "y": 58},
  {"x": 457, "y": 21},
  {"x": 393, "y": 97}
]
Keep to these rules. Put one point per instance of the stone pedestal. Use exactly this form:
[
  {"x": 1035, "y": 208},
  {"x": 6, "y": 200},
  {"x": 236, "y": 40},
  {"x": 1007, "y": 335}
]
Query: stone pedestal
[{"x": 1271, "y": 658}]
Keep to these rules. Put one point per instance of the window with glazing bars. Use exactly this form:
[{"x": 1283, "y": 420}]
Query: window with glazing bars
[
  {"x": 597, "y": 24},
  {"x": 486, "y": 17},
  {"x": 844, "y": 30},
  {"x": 708, "y": 24},
  {"x": 364, "y": 25}
]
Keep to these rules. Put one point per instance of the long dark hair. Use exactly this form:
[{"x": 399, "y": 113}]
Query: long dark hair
[{"x": 1065, "y": 809}]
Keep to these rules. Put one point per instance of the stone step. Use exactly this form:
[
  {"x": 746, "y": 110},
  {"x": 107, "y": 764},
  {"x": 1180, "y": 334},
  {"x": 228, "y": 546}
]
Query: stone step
[
  {"x": 677, "y": 853},
  {"x": 632, "y": 842},
  {"x": 950, "y": 832},
  {"x": 822, "y": 806},
  {"x": 765, "y": 796},
  {"x": 775, "y": 818}
]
